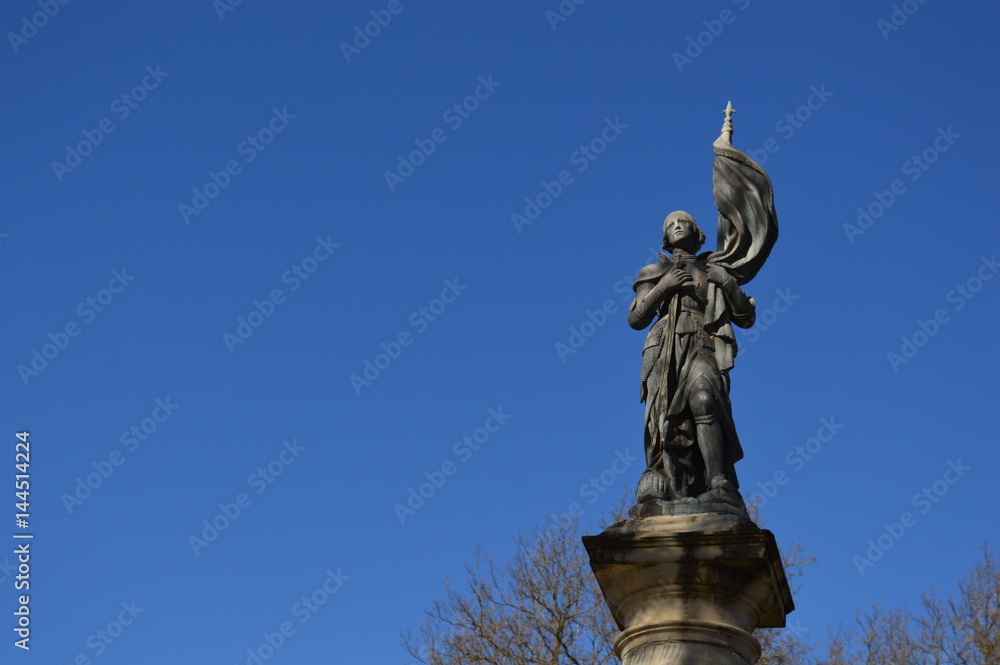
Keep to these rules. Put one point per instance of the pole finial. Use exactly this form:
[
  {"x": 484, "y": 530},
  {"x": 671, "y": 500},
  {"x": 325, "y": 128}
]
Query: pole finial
[{"x": 726, "y": 138}]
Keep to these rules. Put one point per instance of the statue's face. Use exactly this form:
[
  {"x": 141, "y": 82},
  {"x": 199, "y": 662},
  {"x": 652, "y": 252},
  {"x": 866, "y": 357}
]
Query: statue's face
[{"x": 680, "y": 229}]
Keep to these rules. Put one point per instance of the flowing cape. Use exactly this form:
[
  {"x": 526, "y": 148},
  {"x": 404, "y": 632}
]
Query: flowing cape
[
  {"x": 748, "y": 229},
  {"x": 748, "y": 223}
]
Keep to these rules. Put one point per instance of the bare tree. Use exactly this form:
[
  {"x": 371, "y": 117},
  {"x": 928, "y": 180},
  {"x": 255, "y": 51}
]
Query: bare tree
[
  {"x": 784, "y": 646},
  {"x": 543, "y": 607},
  {"x": 958, "y": 630}
]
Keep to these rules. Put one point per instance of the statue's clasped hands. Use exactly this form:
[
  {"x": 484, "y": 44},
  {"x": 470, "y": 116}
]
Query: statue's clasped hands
[{"x": 675, "y": 279}]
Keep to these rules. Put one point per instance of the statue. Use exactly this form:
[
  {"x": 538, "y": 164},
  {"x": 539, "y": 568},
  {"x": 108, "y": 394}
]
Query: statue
[{"x": 690, "y": 438}]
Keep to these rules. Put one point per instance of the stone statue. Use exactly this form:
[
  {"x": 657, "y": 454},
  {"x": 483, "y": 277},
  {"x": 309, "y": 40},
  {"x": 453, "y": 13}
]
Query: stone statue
[{"x": 695, "y": 299}]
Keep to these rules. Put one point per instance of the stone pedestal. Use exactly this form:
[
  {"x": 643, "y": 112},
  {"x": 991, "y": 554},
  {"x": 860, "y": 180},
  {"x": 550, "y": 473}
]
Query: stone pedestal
[{"x": 690, "y": 589}]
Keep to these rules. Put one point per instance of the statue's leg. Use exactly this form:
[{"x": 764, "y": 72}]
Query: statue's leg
[{"x": 709, "y": 435}]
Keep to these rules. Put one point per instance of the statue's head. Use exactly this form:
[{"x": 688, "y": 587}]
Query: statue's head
[{"x": 680, "y": 230}]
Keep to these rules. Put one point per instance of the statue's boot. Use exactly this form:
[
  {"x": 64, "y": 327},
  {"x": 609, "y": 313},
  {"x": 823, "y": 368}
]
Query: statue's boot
[
  {"x": 652, "y": 486},
  {"x": 709, "y": 433}
]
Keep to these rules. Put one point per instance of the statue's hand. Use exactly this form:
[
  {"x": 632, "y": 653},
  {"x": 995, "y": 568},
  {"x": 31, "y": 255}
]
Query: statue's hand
[
  {"x": 717, "y": 274},
  {"x": 675, "y": 279}
]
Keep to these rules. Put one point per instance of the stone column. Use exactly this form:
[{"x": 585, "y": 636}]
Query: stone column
[{"x": 690, "y": 589}]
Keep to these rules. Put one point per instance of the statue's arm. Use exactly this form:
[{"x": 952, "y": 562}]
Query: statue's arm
[
  {"x": 649, "y": 295},
  {"x": 642, "y": 311},
  {"x": 742, "y": 310}
]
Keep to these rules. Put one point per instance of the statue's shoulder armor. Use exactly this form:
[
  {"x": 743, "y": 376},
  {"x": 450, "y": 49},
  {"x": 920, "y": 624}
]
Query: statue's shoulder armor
[{"x": 654, "y": 271}]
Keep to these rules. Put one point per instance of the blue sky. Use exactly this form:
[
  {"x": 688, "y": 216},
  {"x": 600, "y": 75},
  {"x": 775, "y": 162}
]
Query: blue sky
[{"x": 202, "y": 243}]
